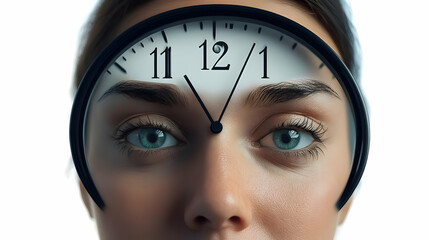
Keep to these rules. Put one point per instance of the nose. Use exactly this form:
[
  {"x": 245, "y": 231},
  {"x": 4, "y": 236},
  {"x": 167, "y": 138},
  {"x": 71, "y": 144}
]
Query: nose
[{"x": 217, "y": 196}]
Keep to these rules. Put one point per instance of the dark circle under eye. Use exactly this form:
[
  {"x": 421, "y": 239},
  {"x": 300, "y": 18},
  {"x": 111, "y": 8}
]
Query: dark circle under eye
[
  {"x": 151, "y": 138},
  {"x": 286, "y": 139}
]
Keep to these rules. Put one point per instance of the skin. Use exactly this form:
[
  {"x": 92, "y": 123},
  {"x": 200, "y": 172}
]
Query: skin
[{"x": 222, "y": 188}]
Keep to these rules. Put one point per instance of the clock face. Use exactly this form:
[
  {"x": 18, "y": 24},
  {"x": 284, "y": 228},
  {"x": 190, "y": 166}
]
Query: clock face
[
  {"x": 209, "y": 55},
  {"x": 160, "y": 96}
]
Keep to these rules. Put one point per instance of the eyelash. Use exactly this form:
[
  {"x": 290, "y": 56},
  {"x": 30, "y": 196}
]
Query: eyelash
[
  {"x": 127, "y": 128},
  {"x": 316, "y": 130}
]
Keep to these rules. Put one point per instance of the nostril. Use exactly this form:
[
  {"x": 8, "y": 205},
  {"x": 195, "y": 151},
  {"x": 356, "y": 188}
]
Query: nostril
[
  {"x": 200, "y": 220},
  {"x": 235, "y": 220}
]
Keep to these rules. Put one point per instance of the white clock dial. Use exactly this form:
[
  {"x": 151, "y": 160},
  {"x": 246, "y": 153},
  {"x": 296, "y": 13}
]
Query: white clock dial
[{"x": 212, "y": 54}]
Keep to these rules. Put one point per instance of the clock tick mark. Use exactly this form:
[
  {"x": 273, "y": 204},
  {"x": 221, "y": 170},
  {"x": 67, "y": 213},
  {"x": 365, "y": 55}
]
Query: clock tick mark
[
  {"x": 164, "y": 36},
  {"x": 214, "y": 30},
  {"x": 231, "y": 26},
  {"x": 201, "y": 26},
  {"x": 185, "y": 27},
  {"x": 151, "y": 39},
  {"x": 132, "y": 49},
  {"x": 141, "y": 44},
  {"x": 245, "y": 27},
  {"x": 281, "y": 38},
  {"x": 109, "y": 72},
  {"x": 226, "y": 25},
  {"x": 321, "y": 65},
  {"x": 124, "y": 58},
  {"x": 294, "y": 46},
  {"x": 120, "y": 67},
  {"x": 259, "y": 30}
]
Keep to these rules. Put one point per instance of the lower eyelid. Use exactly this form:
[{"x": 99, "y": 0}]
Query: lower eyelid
[
  {"x": 290, "y": 159},
  {"x": 138, "y": 157}
]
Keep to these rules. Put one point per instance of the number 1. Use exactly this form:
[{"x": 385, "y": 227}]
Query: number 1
[{"x": 264, "y": 51}]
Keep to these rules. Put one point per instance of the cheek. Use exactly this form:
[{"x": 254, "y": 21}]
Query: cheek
[
  {"x": 138, "y": 204},
  {"x": 301, "y": 205},
  {"x": 300, "y": 209}
]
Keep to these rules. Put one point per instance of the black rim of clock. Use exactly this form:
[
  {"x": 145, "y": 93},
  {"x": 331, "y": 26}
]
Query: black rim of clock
[{"x": 294, "y": 30}]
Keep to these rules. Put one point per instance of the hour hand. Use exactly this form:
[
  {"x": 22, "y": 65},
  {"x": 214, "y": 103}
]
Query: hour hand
[{"x": 215, "y": 127}]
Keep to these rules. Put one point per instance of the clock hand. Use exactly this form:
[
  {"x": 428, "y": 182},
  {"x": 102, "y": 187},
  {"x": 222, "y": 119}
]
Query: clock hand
[
  {"x": 236, "y": 82},
  {"x": 215, "y": 127}
]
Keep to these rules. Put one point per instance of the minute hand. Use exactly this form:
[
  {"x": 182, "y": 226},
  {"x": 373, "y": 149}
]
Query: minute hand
[{"x": 236, "y": 82}]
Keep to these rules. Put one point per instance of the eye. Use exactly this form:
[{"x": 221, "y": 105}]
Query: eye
[
  {"x": 287, "y": 139},
  {"x": 151, "y": 138}
]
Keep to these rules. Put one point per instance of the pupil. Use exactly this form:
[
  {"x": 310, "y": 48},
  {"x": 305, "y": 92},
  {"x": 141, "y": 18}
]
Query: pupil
[
  {"x": 152, "y": 137},
  {"x": 286, "y": 137}
]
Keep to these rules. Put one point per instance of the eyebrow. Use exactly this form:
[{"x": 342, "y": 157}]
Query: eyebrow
[
  {"x": 150, "y": 92},
  {"x": 286, "y": 91}
]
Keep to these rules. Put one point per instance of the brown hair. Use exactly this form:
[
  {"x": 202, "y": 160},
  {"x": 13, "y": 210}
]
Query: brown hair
[{"x": 102, "y": 26}]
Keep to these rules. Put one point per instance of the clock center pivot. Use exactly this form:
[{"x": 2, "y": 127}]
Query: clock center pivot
[{"x": 216, "y": 127}]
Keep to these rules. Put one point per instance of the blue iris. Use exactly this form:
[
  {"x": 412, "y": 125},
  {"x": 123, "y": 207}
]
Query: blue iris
[
  {"x": 286, "y": 139},
  {"x": 151, "y": 137}
]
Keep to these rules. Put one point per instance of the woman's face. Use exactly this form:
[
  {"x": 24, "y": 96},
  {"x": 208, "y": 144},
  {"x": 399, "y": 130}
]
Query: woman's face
[{"x": 233, "y": 185}]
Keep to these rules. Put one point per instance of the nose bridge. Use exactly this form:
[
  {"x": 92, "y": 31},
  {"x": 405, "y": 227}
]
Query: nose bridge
[
  {"x": 217, "y": 196},
  {"x": 220, "y": 162}
]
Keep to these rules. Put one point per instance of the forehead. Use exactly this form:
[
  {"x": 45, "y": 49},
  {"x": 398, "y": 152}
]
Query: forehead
[
  {"x": 287, "y": 8},
  {"x": 286, "y": 61}
]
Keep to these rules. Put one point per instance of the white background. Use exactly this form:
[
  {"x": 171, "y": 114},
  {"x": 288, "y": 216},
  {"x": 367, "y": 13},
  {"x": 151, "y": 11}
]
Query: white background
[{"x": 39, "y": 197}]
